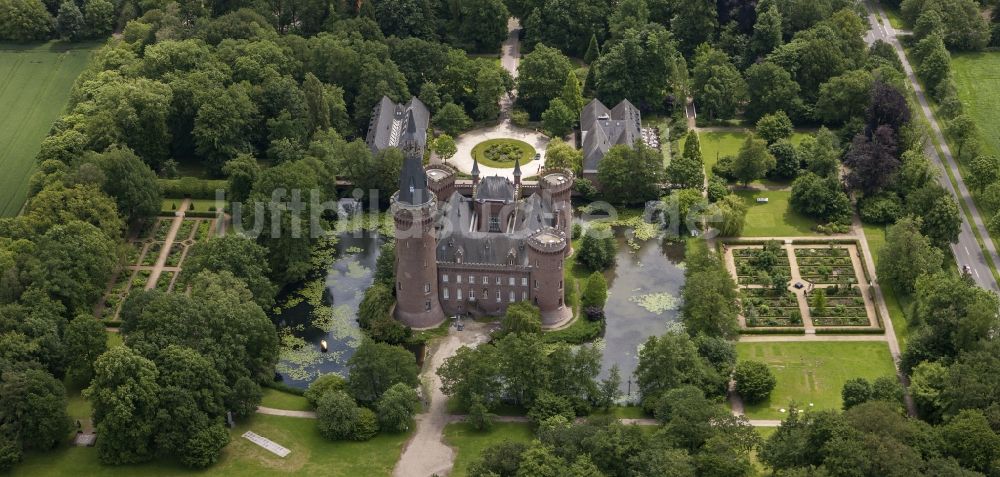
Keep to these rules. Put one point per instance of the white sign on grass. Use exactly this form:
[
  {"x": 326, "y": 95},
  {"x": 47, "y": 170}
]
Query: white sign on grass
[{"x": 267, "y": 444}]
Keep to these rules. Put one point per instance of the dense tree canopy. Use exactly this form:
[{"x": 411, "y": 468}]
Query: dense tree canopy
[{"x": 631, "y": 175}]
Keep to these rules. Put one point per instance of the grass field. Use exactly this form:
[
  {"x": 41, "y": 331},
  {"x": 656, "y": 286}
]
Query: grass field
[
  {"x": 977, "y": 77},
  {"x": 479, "y": 152},
  {"x": 197, "y": 205},
  {"x": 716, "y": 144},
  {"x": 311, "y": 455},
  {"x": 813, "y": 372},
  {"x": 896, "y": 303},
  {"x": 469, "y": 443},
  {"x": 282, "y": 400},
  {"x": 775, "y": 218},
  {"x": 35, "y": 82}
]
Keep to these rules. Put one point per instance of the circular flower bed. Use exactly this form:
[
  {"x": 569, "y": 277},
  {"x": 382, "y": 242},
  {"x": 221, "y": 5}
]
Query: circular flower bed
[{"x": 503, "y": 153}]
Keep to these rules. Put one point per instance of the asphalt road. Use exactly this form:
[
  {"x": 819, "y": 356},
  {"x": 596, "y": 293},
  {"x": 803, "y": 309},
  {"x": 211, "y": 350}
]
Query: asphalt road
[{"x": 967, "y": 251}]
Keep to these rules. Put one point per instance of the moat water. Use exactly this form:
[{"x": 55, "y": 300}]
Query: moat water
[
  {"x": 327, "y": 310},
  {"x": 644, "y": 286},
  {"x": 643, "y": 296}
]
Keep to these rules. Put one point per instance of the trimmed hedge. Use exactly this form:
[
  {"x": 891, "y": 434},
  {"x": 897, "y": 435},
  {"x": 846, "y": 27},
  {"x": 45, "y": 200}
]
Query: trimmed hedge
[
  {"x": 850, "y": 331},
  {"x": 191, "y": 187},
  {"x": 773, "y": 331}
]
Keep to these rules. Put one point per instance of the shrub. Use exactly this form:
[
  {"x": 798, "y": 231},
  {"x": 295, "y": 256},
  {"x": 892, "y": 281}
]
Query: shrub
[
  {"x": 585, "y": 187},
  {"x": 594, "y": 313},
  {"x": 754, "y": 381},
  {"x": 547, "y": 405},
  {"x": 337, "y": 415},
  {"x": 597, "y": 249},
  {"x": 595, "y": 292},
  {"x": 881, "y": 209},
  {"x": 855, "y": 391},
  {"x": 324, "y": 384},
  {"x": 366, "y": 425},
  {"x": 479, "y": 415},
  {"x": 520, "y": 118}
]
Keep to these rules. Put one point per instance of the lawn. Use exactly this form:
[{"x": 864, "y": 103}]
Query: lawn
[
  {"x": 775, "y": 218},
  {"x": 813, "y": 372},
  {"x": 716, "y": 144},
  {"x": 197, "y": 205},
  {"x": 35, "y": 82},
  {"x": 311, "y": 455},
  {"x": 892, "y": 13},
  {"x": 469, "y": 443},
  {"x": 977, "y": 77},
  {"x": 114, "y": 339},
  {"x": 282, "y": 400},
  {"x": 481, "y": 152},
  {"x": 896, "y": 303}
]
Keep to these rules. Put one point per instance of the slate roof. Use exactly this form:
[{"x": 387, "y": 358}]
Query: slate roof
[
  {"x": 532, "y": 214},
  {"x": 413, "y": 179},
  {"x": 393, "y": 125},
  {"x": 603, "y": 128},
  {"x": 495, "y": 188}
]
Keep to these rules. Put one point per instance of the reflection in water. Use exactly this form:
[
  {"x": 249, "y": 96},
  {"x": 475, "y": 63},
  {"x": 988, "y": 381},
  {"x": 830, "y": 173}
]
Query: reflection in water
[
  {"x": 643, "y": 290},
  {"x": 326, "y": 309},
  {"x": 643, "y": 286}
]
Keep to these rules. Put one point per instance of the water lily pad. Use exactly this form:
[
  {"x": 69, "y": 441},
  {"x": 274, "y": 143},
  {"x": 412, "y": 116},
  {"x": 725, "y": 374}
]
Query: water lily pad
[{"x": 656, "y": 303}]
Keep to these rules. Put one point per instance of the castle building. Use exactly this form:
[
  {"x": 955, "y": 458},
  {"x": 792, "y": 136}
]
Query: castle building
[
  {"x": 477, "y": 248},
  {"x": 601, "y": 128}
]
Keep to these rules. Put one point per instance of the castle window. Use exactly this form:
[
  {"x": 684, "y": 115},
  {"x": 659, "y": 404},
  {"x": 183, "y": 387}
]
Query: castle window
[
  {"x": 560, "y": 284},
  {"x": 472, "y": 279},
  {"x": 486, "y": 294},
  {"x": 444, "y": 293},
  {"x": 524, "y": 281},
  {"x": 498, "y": 279},
  {"x": 510, "y": 281},
  {"x": 536, "y": 284},
  {"x": 458, "y": 294},
  {"x": 458, "y": 279},
  {"x": 498, "y": 295},
  {"x": 486, "y": 280},
  {"x": 399, "y": 286},
  {"x": 444, "y": 278},
  {"x": 427, "y": 287},
  {"x": 494, "y": 224},
  {"x": 472, "y": 294},
  {"x": 510, "y": 297},
  {"x": 560, "y": 302},
  {"x": 524, "y": 296},
  {"x": 427, "y": 305}
]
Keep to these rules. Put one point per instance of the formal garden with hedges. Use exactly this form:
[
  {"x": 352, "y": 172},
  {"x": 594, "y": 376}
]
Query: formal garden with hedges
[
  {"x": 766, "y": 307},
  {"x": 837, "y": 306},
  {"x": 826, "y": 266},
  {"x": 763, "y": 265}
]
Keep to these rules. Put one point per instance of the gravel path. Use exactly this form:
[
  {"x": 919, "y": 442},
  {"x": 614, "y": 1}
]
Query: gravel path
[{"x": 426, "y": 454}]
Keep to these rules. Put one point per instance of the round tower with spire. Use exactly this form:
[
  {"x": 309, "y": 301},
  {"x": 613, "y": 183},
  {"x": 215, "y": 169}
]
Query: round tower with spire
[{"x": 414, "y": 211}]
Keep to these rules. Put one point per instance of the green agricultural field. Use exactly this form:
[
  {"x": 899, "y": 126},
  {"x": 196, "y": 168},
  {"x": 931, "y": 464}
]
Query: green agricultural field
[
  {"x": 814, "y": 372},
  {"x": 977, "y": 77},
  {"x": 35, "y": 82},
  {"x": 469, "y": 443},
  {"x": 775, "y": 218},
  {"x": 311, "y": 455}
]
